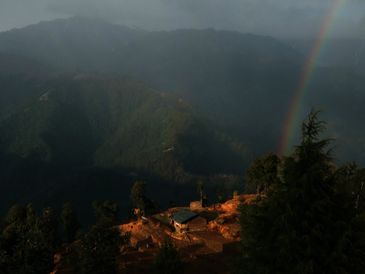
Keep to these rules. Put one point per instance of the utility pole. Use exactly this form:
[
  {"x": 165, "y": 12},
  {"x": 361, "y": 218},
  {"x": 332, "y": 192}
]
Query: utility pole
[{"x": 358, "y": 195}]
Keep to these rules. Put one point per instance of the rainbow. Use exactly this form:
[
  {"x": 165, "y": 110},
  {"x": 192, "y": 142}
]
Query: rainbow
[{"x": 308, "y": 70}]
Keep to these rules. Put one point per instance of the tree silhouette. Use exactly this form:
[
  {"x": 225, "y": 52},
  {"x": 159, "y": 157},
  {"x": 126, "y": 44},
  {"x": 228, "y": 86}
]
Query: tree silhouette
[{"x": 302, "y": 224}]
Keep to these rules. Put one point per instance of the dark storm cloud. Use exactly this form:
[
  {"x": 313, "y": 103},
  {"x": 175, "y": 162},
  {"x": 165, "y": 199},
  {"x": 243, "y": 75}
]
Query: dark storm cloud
[{"x": 272, "y": 17}]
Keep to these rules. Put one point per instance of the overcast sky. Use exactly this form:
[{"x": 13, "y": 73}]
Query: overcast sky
[{"x": 284, "y": 18}]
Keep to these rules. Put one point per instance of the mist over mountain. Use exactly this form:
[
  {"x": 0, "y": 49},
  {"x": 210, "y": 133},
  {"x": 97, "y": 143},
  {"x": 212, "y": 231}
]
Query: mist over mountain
[
  {"x": 228, "y": 77},
  {"x": 345, "y": 52},
  {"x": 207, "y": 136},
  {"x": 216, "y": 71},
  {"x": 82, "y": 95},
  {"x": 280, "y": 18}
]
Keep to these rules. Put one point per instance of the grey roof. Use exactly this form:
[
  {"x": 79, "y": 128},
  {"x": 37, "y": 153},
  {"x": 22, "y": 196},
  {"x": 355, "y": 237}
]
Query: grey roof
[{"x": 184, "y": 216}]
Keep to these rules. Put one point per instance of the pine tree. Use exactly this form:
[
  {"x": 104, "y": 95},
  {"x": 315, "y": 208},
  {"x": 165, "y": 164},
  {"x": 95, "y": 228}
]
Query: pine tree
[
  {"x": 25, "y": 243},
  {"x": 106, "y": 212},
  {"x": 262, "y": 173},
  {"x": 100, "y": 247},
  {"x": 299, "y": 225},
  {"x": 138, "y": 195},
  {"x": 168, "y": 260},
  {"x": 48, "y": 225},
  {"x": 140, "y": 201},
  {"x": 70, "y": 223},
  {"x": 99, "y": 250},
  {"x": 200, "y": 190}
]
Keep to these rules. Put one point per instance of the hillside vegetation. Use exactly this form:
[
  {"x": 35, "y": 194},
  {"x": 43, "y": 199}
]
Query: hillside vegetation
[
  {"x": 242, "y": 82},
  {"x": 108, "y": 122},
  {"x": 88, "y": 104}
]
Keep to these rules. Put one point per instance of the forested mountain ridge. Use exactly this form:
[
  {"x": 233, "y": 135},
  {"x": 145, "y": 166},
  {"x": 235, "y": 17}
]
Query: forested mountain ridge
[
  {"x": 73, "y": 110},
  {"x": 112, "y": 122},
  {"x": 11, "y": 64},
  {"x": 71, "y": 44},
  {"x": 224, "y": 74},
  {"x": 78, "y": 42}
]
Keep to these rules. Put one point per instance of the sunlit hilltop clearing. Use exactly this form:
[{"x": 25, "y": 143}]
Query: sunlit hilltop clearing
[{"x": 200, "y": 234}]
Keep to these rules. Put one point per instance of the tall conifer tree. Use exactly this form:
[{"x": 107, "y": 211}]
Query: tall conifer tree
[{"x": 300, "y": 224}]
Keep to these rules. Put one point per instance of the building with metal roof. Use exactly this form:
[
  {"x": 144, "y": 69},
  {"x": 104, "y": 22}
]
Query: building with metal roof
[
  {"x": 186, "y": 220},
  {"x": 183, "y": 216}
]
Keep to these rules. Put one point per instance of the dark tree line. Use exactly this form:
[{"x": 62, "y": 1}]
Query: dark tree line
[
  {"x": 168, "y": 259},
  {"x": 39, "y": 243},
  {"x": 310, "y": 216},
  {"x": 29, "y": 241}
]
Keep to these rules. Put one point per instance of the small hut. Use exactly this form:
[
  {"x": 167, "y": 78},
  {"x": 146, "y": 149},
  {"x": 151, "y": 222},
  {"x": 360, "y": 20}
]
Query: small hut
[{"x": 186, "y": 220}]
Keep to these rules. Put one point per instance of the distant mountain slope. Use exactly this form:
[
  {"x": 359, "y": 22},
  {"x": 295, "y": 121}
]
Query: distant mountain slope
[
  {"x": 108, "y": 122},
  {"x": 11, "y": 64},
  {"x": 243, "y": 83},
  {"x": 225, "y": 75},
  {"x": 72, "y": 44},
  {"x": 18, "y": 77},
  {"x": 345, "y": 52},
  {"x": 78, "y": 43}
]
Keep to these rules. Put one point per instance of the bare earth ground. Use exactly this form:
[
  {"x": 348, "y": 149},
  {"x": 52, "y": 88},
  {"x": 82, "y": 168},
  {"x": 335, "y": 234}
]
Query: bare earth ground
[{"x": 213, "y": 249}]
